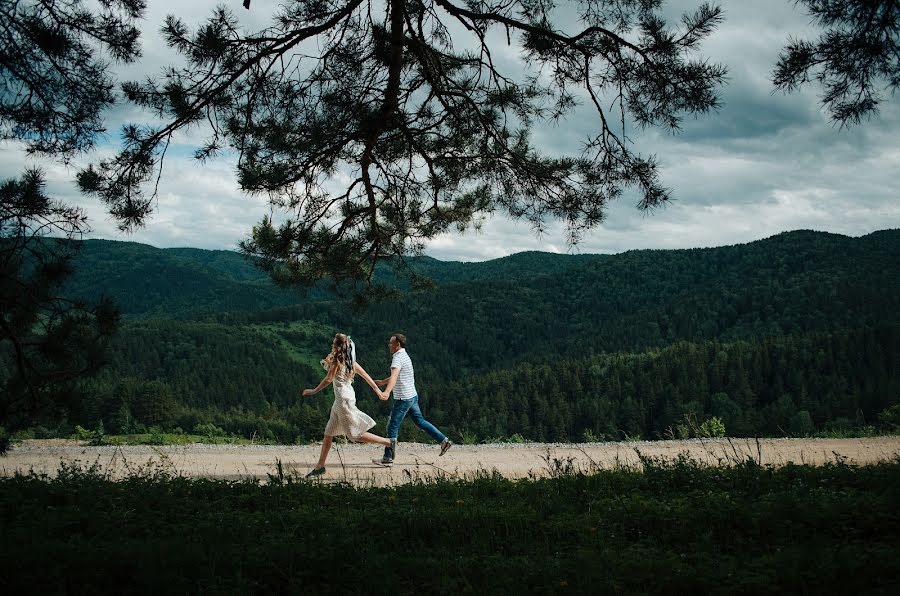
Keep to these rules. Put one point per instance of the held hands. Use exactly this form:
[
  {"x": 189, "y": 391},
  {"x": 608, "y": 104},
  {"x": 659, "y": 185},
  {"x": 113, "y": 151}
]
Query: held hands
[{"x": 382, "y": 396}]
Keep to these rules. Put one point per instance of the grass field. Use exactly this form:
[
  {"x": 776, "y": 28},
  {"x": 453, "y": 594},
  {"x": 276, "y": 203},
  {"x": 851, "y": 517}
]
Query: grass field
[{"x": 670, "y": 527}]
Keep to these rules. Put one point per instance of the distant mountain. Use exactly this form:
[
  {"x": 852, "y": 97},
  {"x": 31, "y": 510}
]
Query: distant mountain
[
  {"x": 180, "y": 283},
  {"x": 227, "y": 263},
  {"x": 790, "y": 283},
  {"x": 794, "y": 333},
  {"x": 534, "y": 302},
  {"x": 523, "y": 265},
  {"x": 172, "y": 283}
]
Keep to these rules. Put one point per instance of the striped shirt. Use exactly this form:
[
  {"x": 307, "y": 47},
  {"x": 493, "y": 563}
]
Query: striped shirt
[{"x": 406, "y": 382}]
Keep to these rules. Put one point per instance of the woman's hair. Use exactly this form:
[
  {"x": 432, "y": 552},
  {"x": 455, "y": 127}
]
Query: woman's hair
[{"x": 344, "y": 351}]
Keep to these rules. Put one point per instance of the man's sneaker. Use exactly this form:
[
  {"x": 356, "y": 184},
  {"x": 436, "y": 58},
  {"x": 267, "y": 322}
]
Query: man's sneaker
[
  {"x": 383, "y": 462},
  {"x": 445, "y": 445},
  {"x": 316, "y": 472}
]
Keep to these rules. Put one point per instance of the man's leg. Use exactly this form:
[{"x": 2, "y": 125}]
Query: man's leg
[
  {"x": 415, "y": 414},
  {"x": 398, "y": 413}
]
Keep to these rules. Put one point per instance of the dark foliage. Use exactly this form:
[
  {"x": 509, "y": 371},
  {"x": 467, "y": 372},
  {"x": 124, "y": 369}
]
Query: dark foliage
[
  {"x": 45, "y": 339},
  {"x": 435, "y": 136},
  {"x": 55, "y": 85},
  {"x": 790, "y": 283},
  {"x": 793, "y": 335},
  {"x": 674, "y": 528},
  {"x": 245, "y": 383},
  {"x": 789, "y": 386},
  {"x": 855, "y": 59}
]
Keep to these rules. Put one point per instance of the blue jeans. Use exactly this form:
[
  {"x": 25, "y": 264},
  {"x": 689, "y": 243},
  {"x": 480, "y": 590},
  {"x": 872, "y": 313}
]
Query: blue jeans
[{"x": 401, "y": 408}]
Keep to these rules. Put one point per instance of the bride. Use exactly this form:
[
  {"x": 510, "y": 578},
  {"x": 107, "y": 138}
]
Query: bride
[{"x": 346, "y": 419}]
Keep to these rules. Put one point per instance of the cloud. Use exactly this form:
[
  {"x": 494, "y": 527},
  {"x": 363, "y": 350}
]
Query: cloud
[{"x": 765, "y": 163}]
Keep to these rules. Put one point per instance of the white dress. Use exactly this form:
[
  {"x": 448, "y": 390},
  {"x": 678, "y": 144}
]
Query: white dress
[{"x": 346, "y": 419}]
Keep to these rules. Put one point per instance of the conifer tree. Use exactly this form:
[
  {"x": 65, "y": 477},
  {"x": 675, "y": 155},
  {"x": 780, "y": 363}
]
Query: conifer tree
[
  {"x": 55, "y": 87},
  {"x": 854, "y": 60},
  {"x": 378, "y": 125}
]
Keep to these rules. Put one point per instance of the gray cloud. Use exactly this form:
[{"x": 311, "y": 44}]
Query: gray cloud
[{"x": 765, "y": 163}]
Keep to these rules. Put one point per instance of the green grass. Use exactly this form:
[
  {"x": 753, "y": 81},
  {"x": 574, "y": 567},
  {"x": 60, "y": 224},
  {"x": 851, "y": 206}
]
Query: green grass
[
  {"x": 857, "y": 432},
  {"x": 155, "y": 436},
  {"x": 306, "y": 342},
  {"x": 178, "y": 439},
  {"x": 679, "y": 527}
]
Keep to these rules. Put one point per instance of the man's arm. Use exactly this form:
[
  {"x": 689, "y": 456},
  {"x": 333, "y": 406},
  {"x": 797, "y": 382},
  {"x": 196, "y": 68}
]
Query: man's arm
[{"x": 395, "y": 374}]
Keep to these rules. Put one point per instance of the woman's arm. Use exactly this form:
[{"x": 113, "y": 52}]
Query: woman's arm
[
  {"x": 324, "y": 382},
  {"x": 362, "y": 372}
]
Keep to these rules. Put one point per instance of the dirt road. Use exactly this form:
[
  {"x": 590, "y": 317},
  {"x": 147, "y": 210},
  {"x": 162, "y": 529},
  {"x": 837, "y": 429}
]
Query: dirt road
[{"x": 353, "y": 463}]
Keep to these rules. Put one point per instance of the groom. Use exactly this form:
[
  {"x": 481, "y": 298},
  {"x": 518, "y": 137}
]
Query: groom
[{"x": 406, "y": 400}]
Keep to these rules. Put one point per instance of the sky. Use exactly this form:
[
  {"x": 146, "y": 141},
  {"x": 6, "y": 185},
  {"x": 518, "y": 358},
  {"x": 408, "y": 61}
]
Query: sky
[{"x": 765, "y": 163}]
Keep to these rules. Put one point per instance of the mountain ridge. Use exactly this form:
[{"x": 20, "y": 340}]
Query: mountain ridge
[{"x": 221, "y": 269}]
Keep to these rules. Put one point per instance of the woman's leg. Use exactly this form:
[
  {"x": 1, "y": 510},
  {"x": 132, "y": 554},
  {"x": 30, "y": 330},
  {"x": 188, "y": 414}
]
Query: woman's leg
[
  {"x": 323, "y": 454},
  {"x": 370, "y": 438}
]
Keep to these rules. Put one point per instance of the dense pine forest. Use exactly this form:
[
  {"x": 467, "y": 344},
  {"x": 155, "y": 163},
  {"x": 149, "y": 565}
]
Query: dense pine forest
[{"x": 794, "y": 335}]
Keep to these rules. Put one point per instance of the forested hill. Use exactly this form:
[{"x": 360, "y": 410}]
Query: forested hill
[
  {"x": 793, "y": 334},
  {"x": 171, "y": 283},
  {"x": 791, "y": 283},
  {"x": 529, "y": 306},
  {"x": 181, "y": 283}
]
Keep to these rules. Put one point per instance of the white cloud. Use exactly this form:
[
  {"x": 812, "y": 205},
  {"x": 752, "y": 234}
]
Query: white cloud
[{"x": 766, "y": 163}]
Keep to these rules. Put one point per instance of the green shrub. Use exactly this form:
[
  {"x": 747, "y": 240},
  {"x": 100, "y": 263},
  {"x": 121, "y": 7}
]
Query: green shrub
[
  {"x": 683, "y": 431},
  {"x": 23, "y": 435},
  {"x": 93, "y": 437},
  {"x": 590, "y": 437},
  {"x": 468, "y": 438},
  {"x": 153, "y": 438},
  {"x": 209, "y": 429},
  {"x": 890, "y": 417},
  {"x": 801, "y": 424},
  {"x": 83, "y": 434},
  {"x": 839, "y": 424},
  {"x": 42, "y": 432},
  {"x": 712, "y": 427}
]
